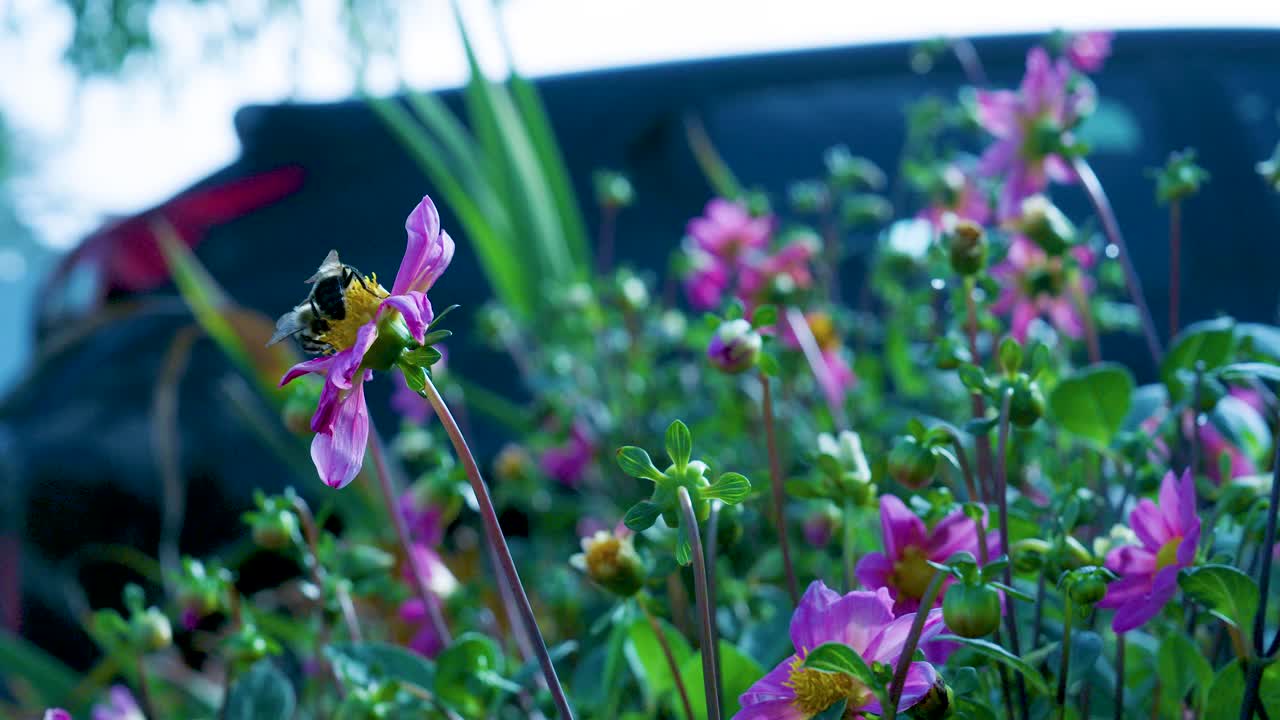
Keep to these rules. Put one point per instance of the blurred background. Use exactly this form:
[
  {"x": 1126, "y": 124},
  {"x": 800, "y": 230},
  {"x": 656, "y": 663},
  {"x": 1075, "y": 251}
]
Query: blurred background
[{"x": 242, "y": 123}]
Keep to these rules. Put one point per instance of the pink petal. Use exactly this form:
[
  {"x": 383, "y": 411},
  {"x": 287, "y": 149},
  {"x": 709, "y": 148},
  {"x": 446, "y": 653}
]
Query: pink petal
[
  {"x": 1131, "y": 560},
  {"x": 338, "y": 453},
  {"x": 415, "y": 308},
  {"x": 1126, "y": 590},
  {"x": 888, "y": 644},
  {"x": 428, "y": 253},
  {"x": 953, "y": 534},
  {"x": 1148, "y": 524},
  {"x": 314, "y": 365},
  {"x": 921, "y": 677},
  {"x": 900, "y": 526},
  {"x": 998, "y": 111},
  {"x": 1137, "y": 612},
  {"x": 874, "y": 570},
  {"x": 857, "y": 618},
  {"x": 1024, "y": 312},
  {"x": 813, "y": 607},
  {"x": 1065, "y": 317},
  {"x": 770, "y": 689}
]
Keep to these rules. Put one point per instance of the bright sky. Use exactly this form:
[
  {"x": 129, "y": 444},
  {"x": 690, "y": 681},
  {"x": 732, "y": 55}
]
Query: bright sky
[{"x": 111, "y": 147}]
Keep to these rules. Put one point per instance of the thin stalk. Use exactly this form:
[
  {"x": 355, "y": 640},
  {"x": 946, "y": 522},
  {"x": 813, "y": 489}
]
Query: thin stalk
[
  {"x": 981, "y": 442},
  {"x": 813, "y": 355},
  {"x": 311, "y": 532},
  {"x": 496, "y": 540},
  {"x": 390, "y": 496},
  {"x": 1256, "y": 666},
  {"x": 1002, "y": 501},
  {"x": 1038, "y": 613},
  {"x": 966, "y": 472},
  {"x": 913, "y": 639},
  {"x": 709, "y": 672},
  {"x": 1067, "y": 612},
  {"x": 671, "y": 661},
  {"x": 967, "y": 55},
  {"x": 604, "y": 242},
  {"x": 1119, "y": 700},
  {"x": 1091, "y": 342},
  {"x": 779, "y": 497},
  {"x": 713, "y": 532},
  {"x": 1102, "y": 206},
  {"x": 144, "y": 691},
  {"x": 848, "y": 546},
  {"x": 1175, "y": 263}
]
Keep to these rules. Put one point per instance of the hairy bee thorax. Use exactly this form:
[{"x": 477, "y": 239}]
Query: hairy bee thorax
[{"x": 340, "y": 302}]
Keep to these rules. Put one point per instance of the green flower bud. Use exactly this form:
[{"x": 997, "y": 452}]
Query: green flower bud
[
  {"x": 301, "y": 397},
  {"x": 150, "y": 630},
  {"x": 1029, "y": 555},
  {"x": 611, "y": 561},
  {"x": 967, "y": 248},
  {"x": 274, "y": 529},
  {"x": 971, "y": 611},
  {"x": 1026, "y": 406},
  {"x": 1045, "y": 224},
  {"x": 735, "y": 347},
  {"x": 912, "y": 464},
  {"x": 1087, "y": 585},
  {"x": 613, "y": 190},
  {"x": 935, "y": 705},
  {"x": 949, "y": 353}
]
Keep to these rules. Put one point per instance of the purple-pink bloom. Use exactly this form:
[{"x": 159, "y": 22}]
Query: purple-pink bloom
[
  {"x": 903, "y": 568},
  {"x": 1169, "y": 533},
  {"x": 341, "y": 420},
  {"x": 424, "y": 518},
  {"x": 120, "y": 705},
  {"x": 1028, "y": 126},
  {"x": 727, "y": 230},
  {"x": 1033, "y": 284},
  {"x": 569, "y": 462},
  {"x": 961, "y": 198},
  {"x": 862, "y": 620},
  {"x": 1088, "y": 51},
  {"x": 57, "y": 714},
  {"x": 788, "y": 269},
  {"x": 414, "y": 611}
]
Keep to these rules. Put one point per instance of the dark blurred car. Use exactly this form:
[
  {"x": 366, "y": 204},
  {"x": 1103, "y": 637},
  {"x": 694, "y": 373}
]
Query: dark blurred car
[{"x": 77, "y": 436}]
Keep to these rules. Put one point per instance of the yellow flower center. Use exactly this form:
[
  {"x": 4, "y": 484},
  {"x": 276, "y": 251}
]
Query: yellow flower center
[
  {"x": 816, "y": 690},
  {"x": 824, "y": 330},
  {"x": 602, "y": 556},
  {"x": 911, "y": 574},
  {"x": 1168, "y": 554},
  {"x": 363, "y": 296}
]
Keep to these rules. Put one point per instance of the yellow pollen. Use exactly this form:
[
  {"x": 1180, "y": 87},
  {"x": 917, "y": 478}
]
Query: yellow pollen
[
  {"x": 824, "y": 330},
  {"x": 363, "y": 296},
  {"x": 816, "y": 690},
  {"x": 602, "y": 556},
  {"x": 1168, "y": 554},
  {"x": 911, "y": 574}
]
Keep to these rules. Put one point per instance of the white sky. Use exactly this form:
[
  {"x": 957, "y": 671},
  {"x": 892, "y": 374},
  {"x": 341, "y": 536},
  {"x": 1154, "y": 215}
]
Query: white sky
[{"x": 113, "y": 147}]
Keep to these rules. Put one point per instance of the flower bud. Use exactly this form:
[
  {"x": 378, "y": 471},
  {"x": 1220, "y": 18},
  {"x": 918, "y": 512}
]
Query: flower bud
[
  {"x": 513, "y": 462},
  {"x": 1045, "y": 224},
  {"x": 1087, "y": 585},
  {"x": 613, "y": 190},
  {"x": 949, "y": 353},
  {"x": 150, "y": 630},
  {"x": 971, "y": 611},
  {"x": 967, "y": 247},
  {"x": 611, "y": 561},
  {"x": 821, "y": 524},
  {"x": 301, "y": 397},
  {"x": 1029, "y": 555},
  {"x": 913, "y": 465},
  {"x": 1026, "y": 406},
  {"x": 809, "y": 196},
  {"x": 274, "y": 529},
  {"x": 735, "y": 347}
]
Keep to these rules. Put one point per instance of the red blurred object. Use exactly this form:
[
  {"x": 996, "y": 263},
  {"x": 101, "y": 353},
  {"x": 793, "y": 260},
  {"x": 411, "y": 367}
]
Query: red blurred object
[{"x": 124, "y": 256}]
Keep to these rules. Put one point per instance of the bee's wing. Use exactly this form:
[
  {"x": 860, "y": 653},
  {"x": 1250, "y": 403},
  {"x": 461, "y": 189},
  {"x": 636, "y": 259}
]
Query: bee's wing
[
  {"x": 291, "y": 323},
  {"x": 330, "y": 266}
]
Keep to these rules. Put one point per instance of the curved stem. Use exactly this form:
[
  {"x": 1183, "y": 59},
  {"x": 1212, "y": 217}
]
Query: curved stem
[
  {"x": 1101, "y": 205},
  {"x": 779, "y": 497},
  {"x": 1119, "y": 701},
  {"x": 493, "y": 535},
  {"x": 962, "y": 457},
  {"x": 713, "y": 532},
  {"x": 390, "y": 496},
  {"x": 1002, "y": 502},
  {"x": 311, "y": 560},
  {"x": 1264, "y": 574},
  {"x": 671, "y": 661},
  {"x": 981, "y": 443},
  {"x": 913, "y": 639},
  {"x": 1068, "y": 612},
  {"x": 705, "y": 612},
  {"x": 848, "y": 546},
  {"x": 967, "y": 55},
  {"x": 1175, "y": 263}
]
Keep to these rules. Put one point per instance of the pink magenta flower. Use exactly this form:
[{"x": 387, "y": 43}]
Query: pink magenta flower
[
  {"x": 120, "y": 705},
  {"x": 1169, "y": 533},
  {"x": 341, "y": 420},
  {"x": 1033, "y": 284},
  {"x": 862, "y": 620},
  {"x": 1028, "y": 126},
  {"x": 57, "y": 714},
  {"x": 1088, "y": 51},
  {"x": 961, "y": 197},
  {"x": 413, "y": 611},
  {"x": 425, "y": 519},
  {"x": 569, "y": 462},
  {"x": 727, "y": 230},
  {"x": 903, "y": 568}
]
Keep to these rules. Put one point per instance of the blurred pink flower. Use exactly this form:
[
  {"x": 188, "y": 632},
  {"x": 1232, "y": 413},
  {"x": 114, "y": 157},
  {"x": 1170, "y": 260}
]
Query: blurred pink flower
[
  {"x": 414, "y": 611},
  {"x": 569, "y": 462},
  {"x": 961, "y": 198},
  {"x": 120, "y": 705},
  {"x": 1088, "y": 51},
  {"x": 1033, "y": 284}
]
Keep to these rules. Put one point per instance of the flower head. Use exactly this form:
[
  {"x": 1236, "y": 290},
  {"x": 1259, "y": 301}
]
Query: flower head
[
  {"x": 359, "y": 326},
  {"x": 727, "y": 231},
  {"x": 120, "y": 705},
  {"x": 57, "y": 714},
  {"x": 903, "y": 568},
  {"x": 1033, "y": 284},
  {"x": 1169, "y": 533},
  {"x": 1029, "y": 127},
  {"x": 958, "y": 196},
  {"x": 569, "y": 462},
  {"x": 862, "y": 620},
  {"x": 442, "y": 583},
  {"x": 1088, "y": 51},
  {"x": 610, "y": 559},
  {"x": 735, "y": 346}
]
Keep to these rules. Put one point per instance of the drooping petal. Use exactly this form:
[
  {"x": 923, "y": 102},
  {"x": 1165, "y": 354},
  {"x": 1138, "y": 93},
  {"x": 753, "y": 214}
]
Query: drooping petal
[
  {"x": 338, "y": 452},
  {"x": 1126, "y": 590},
  {"x": 345, "y": 363},
  {"x": 857, "y": 618},
  {"x": 317, "y": 365},
  {"x": 998, "y": 111},
  {"x": 415, "y": 308},
  {"x": 901, "y": 527},
  {"x": 428, "y": 253},
  {"x": 1065, "y": 317},
  {"x": 1130, "y": 560},
  {"x": 921, "y": 677},
  {"x": 1137, "y": 612}
]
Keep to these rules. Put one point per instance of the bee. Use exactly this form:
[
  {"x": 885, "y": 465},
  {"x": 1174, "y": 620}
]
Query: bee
[{"x": 324, "y": 306}]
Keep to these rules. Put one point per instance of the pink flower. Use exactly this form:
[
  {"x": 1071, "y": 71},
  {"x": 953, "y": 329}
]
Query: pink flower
[
  {"x": 862, "y": 620},
  {"x": 425, "y": 519},
  {"x": 1033, "y": 284},
  {"x": 569, "y": 462},
  {"x": 727, "y": 231},
  {"x": 1088, "y": 51},
  {"x": 1170, "y": 533},
  {"x": 57, "y": 714},
  {"x": 787, "y": 270},
  {"x": 903, "y": 568},
  {"x": 960, "y": 198},
  {"x": 120, "y": 706},
  {"x": 707, "y": 280},
  {"x": 414, "y": 611},
  {"x": 1028, "y": 126},
  {"x": 1213, "y": 444},
  {"x": 341, "y": 420}
]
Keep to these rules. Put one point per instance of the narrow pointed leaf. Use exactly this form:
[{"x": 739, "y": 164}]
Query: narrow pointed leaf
[
  {"x": 642, "y": 516},
  {"x": 679, "y": 443}
]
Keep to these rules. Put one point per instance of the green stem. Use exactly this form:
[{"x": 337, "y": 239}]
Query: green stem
[
  {"x": 705, "y": 612},
  {"x": 144, "y": 691},
  {"x": 1068, "y": 612},
  {"x": 671, "y": 661},
  {"x": 498, "y": 542},
  {"x": 909, "y": 648},
  {"x": 779, "y": 496},
  {"x": 849, "y": 546},
  {"x": 1002, "y": 501}
]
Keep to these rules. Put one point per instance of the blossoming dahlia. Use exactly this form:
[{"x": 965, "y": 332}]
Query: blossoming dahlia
[
  {"x": 568, "y": 463},
  {"x": 903, "y": 568},
  {"x": 1169, "y": 533},
  {"x": 864, "y": 621},
  {"x": 1088, "y": 51},
  {"x": 366, "y": 329},
  {"x": 1033, "y": 284}
]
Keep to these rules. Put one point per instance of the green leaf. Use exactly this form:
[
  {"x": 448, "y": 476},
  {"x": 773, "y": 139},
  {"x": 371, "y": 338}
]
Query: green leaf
[
  {"x": 1226, "y": 694},
  {"x": 642, "y": 516},
  {"x": 1263, "y": 339},
  {"x": 1228, "y": 593},
  {"x": 764, "y": 316},
  {"x": 684, "y": 551},
  {"x": 768, "y": 364},
  {"x": 647, "y": 660},
  {"x": 1211, "y": 342},
  {"x": 836, "y": 657},
  {"x": 1010, "y": 355},
  {"x": 732, "y": 488},
  {"x": 635, "y": 462},
  {"x": 737, "y": 671},
  {"x": 972, "y": 377},
  {"x": 1182, "y": 667},
  {"x": 415, "y": 377},
  {"x": 1004, "y": 657},
  {"x": 22, "y": 661},
  {"x": 359, "y": 663},
  {"x": 262, "y": 693},
  {"x": 458, "y": 669},
  {"x": 1263, "y": 371},
  {"x": 1094, "y": 402},
  {"x": 679, "y": 444}
]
